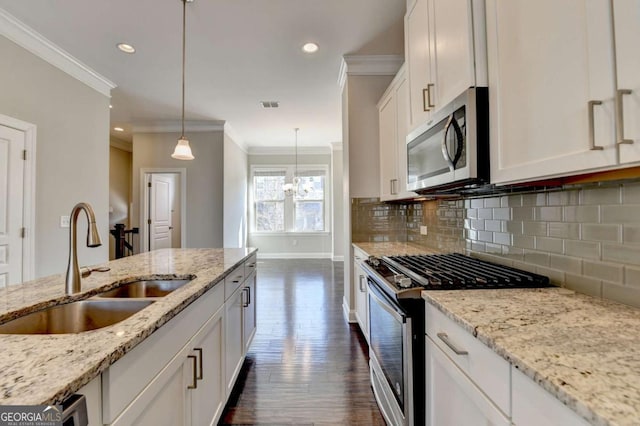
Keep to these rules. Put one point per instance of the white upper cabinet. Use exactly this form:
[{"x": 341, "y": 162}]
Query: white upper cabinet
[
  {"x": 393, "y": 109},
  {"x": 552, "y": 86},
  {"x": 626, "y": 16},
  {"x": 445, "y": 53}
]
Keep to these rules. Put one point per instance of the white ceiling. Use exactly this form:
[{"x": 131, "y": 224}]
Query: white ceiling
[{"x": 239, "y": 52}]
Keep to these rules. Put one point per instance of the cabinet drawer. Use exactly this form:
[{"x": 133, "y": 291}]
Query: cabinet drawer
[
  {"x": 233, "y": 281},
  {"x": 250, "y": 265},
  {"x": 489, "y": 371}
]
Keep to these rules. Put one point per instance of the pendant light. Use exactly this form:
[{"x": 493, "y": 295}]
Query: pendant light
[
  {"x": 295, "y": 188},
  {"x": 183, "y": 150}
]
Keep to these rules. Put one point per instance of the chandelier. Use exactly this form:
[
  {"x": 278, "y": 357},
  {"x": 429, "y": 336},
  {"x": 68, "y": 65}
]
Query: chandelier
[{"x": 295, "y": 187}]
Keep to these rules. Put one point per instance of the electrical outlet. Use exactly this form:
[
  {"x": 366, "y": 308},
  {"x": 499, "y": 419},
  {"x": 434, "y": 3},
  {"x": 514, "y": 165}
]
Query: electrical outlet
[
  {"x": 423, "y": 230},
  {"x": 64, "y": 221}
]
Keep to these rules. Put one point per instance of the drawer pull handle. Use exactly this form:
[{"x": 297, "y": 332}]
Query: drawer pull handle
[
  {"x": 194, "y": 381},
  {"x": 592, "y": 137},
  {"x": 200, "y": 375},
  {"x": 251, "y": 265},
  {"x": 245, "y": 304},
  {"x": 620, "y": 116},
  {"x": 445, "y": 339}
]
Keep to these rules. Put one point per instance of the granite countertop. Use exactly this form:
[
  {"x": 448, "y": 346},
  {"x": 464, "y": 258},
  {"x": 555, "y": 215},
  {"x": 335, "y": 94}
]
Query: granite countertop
[
  {"x": 393, "y": 249},
  {"x": 45, "y": 369},
  {"x": 584, "y": 351}
]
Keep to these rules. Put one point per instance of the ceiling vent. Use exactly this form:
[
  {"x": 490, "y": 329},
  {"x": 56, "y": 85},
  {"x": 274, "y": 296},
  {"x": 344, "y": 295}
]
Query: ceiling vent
[{"x": 269, "y": 104}]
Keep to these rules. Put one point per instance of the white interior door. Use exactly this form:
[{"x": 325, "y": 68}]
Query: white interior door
[
  {"x": 160, "y": 212},
  {"x": 12, "y": 145}
]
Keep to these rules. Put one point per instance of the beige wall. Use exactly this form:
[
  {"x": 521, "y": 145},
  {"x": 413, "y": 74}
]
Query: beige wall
[
  {"x": 119, "y": 191},
  {"x": 72, "y": 160},
  {"x": 204, "y": 215},
  {"x": 236, "y": 175}
]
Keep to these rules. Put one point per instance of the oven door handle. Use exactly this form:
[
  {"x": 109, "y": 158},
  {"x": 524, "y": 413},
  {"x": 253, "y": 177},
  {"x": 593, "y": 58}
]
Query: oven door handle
[{"x": 386, "y": 304}]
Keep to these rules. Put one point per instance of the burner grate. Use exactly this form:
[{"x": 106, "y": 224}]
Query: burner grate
[{"x": 457, "y": 271}]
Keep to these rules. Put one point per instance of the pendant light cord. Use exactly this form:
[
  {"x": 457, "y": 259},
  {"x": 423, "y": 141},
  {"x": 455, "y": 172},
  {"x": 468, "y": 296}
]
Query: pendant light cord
[{"x": 184, "y": 44}]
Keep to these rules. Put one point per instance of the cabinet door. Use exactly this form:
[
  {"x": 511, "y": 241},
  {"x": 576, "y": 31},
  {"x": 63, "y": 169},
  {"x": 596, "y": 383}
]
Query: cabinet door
[
  {"x": 249, "y": 318},
  {"x": 402, "y": 126},
  {"x": 418, "y": 59},
  {"x": 452, "y": 53},
  {"x": 533, "y": 406},
  {"x": 388, "y": 139},
  {"x": 166, "y": 400},
  {"x": 547, "y": 61},
  {"x": 234, "y": 343},
  {"x": 208, "y": 398},
  {"x": 627, "y": 34},
  {"x": 453, "y": 399}
]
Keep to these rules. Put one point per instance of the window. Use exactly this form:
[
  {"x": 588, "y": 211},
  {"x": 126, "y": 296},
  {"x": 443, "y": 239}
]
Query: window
[{"x": 305, "y": 211}]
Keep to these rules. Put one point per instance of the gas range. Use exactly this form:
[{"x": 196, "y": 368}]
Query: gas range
[{"x": 404, "y": 277}]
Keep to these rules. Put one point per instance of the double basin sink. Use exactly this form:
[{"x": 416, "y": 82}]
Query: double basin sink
[{"x": 104, "y": 309}]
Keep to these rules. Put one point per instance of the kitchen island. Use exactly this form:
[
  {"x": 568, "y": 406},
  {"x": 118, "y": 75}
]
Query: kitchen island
[{"x": 46, "y": 369}]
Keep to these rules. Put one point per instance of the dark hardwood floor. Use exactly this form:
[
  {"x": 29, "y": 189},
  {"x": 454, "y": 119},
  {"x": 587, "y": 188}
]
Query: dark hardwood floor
[{"x": 306, "y": 365}]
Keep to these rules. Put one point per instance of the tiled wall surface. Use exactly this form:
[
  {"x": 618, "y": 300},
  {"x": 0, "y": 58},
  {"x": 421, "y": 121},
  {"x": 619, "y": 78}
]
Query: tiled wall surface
[{"x": 586, "y": 239}]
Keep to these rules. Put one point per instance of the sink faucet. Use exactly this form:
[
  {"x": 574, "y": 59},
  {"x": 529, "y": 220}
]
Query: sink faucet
[{"x": 72, "y": 283}]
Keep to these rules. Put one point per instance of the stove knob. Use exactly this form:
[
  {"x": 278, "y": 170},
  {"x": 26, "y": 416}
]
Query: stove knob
[
  {"x": 374, "y": 261},
  {"x": 405, "y": 282}
]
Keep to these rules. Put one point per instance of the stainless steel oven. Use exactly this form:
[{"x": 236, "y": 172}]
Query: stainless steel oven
[
  {"x": 451, "y": 150},
  {"x": 396, "y": 341}
]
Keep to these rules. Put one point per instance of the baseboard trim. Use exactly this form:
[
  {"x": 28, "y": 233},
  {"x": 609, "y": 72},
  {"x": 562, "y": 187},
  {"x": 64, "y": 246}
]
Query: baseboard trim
[
  {"x": 349, "y": 315},
  {"x": 262, "y": 255}
]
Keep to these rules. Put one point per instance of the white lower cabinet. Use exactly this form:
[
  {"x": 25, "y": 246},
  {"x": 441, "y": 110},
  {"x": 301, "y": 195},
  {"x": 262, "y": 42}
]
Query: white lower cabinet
[
  {"x": 184, "y": 372},
  {"x": 234, "y": 344},
  {"x": 361, "y": 292},
  {"x": 451, "y": 397},
  {"x": 533, "y": 406}
]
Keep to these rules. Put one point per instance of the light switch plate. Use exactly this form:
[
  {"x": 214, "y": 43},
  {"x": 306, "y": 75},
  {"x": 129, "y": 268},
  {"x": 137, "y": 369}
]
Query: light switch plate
[
  {"x": 423, "y": 230},
  {"x": 64, "y": 221}
]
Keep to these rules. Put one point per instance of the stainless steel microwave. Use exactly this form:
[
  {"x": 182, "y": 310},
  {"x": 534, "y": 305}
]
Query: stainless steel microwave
[{"x": 451, "y": 150}]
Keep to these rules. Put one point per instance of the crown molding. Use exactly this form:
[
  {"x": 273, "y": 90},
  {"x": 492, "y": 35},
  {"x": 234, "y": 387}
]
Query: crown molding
[
  {"x": 289, "y": 150},
  {"x": 175, "y": 126},
  {"x": 120, "y": 144},
  {"x": 34, "y": 42},
  {"x": 235, "y": 137},
  {"x": 368, "y": 65},
  {"x": 336, "y": 146}
]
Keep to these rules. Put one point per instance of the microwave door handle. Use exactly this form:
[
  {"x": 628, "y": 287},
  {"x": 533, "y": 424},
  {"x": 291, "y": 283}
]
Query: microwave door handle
[
  {"x": 445, "y": 150},
  {"x": 459, "y": 141}
]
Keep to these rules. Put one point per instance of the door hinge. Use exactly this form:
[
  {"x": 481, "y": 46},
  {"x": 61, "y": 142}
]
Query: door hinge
[
  {"x": 148, "y": 221},
  {"x": 24, "y": 154},
  {"x": 23, "y": 232},
  {"x": 149, "y": 184}
]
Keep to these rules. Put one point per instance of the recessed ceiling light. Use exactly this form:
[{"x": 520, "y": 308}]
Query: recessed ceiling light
[
  {"x": 118, "y": 129},
  {"x": 126, "y": 48},
  {"x": 310, "y": 48}
]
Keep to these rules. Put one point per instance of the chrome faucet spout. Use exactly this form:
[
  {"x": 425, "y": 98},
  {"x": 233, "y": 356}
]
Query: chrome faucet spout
[{"x": 72, "y": 282}]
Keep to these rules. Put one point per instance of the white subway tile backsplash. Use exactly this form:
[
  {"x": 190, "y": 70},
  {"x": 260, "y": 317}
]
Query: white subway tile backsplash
[
  {"x": 502, "y": 238},
  {"x": 556, "y": 277},
  {"x": 524, "y": 241},
  {"x": 621, "y": 214},
  {"x": 581, "y": 214},
  {"x": 514, "y": 227},
  {"x": 548, "y": 214},
  {"x": 564, "y": 230},
  {"x": 493, "y": 248},
  {"x": 632, "y": 276},
  {"x": 485, "y": 213},
  {"x": 534, "y": 228},
  {"x": 621, "y": 293},
  {"x": 563, "y": 198},
  {"x": 492, "y": 202},
  {"x": 621, "y": 253},
  {"x": 536, "y": 257},
  {"x": 631, "y": 234},
  {"x": 600, "y": 196},
  {"x": 585, "y": 285},
  {"x": 601, "y": 232},
  {"x": 522, "y": 213},
  {"x": 511, "y": 201},
  {"x": 477, "y": 224},
  {"x": 604, "y": 271},
  {"x": 513, "y": 253},
  {"x": 585, "y": 249},
  {"x": 485, "y": 236},
  {"x": 550, "y": 245},
  {"x": 539, "y": 199},
  {"x": 493, "y": 225},
  {"x": 477, "y": 203},
  {"x": 472, "y": 213},
  {"x": 566, "y": 263},
  {"x": 502, "y": 213},
  {"x": 631, "y": 193}
]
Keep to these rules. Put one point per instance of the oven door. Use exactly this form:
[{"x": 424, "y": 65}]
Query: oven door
[{"x": 390, "y": 352}]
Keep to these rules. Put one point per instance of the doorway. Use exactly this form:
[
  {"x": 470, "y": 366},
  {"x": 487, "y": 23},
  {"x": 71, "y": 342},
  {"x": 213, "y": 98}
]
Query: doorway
[
  {"x": 163, "y": 209},
  {"x": 17, "y": 192}
]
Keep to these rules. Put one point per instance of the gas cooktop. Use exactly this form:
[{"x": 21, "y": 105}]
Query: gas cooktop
[{"x": 406, "y": 276}]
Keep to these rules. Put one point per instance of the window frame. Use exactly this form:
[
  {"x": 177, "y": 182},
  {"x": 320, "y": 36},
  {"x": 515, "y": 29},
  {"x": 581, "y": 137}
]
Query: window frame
[{"x": 289, "y": 203}]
